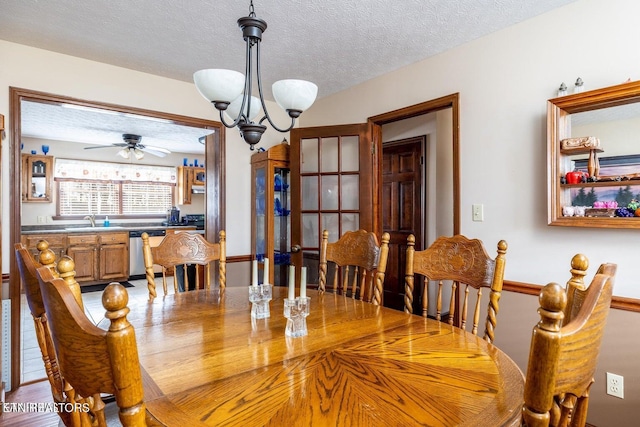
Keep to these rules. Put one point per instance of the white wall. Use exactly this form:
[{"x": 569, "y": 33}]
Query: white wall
[
  {"x": 504, "y": 81},
  {"x": 36, "y": 69}
]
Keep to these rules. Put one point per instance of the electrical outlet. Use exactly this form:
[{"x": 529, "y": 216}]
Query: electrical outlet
[
  {"x": 477, "y": 212},
  {"x": 41, "y": 219},
  {"x": 615, "y": 385}
]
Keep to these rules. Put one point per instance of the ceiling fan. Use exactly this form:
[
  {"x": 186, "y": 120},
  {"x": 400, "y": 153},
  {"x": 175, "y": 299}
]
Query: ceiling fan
[{"x": 131, "y": 145}]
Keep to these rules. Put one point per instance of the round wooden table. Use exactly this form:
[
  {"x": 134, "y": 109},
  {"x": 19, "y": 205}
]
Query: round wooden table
[{"x": 207, "y": 362}]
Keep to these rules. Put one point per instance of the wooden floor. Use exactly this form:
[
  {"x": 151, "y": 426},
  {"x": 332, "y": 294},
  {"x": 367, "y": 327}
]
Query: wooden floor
[{"x": 35, "y": 388}]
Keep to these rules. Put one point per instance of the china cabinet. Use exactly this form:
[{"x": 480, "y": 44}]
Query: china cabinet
[
  {"x": 593, "y": 159},
  {"x": 37, "y": 172},
  {"x": 191, "y": 180},
  {"x": 270, "y": 209}
]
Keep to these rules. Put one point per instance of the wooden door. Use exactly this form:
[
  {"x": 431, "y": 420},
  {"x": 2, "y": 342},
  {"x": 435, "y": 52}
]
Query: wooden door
[
  {"x": 86, "y": 262},
  {"x": 402, "y": 164},
  {"x": 332, "y": 179},
  {"x": 114, "y": 262}
]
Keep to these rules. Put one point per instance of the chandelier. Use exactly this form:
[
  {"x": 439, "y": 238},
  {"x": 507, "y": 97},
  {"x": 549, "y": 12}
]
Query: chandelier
[{"x": 230, "y": 91}]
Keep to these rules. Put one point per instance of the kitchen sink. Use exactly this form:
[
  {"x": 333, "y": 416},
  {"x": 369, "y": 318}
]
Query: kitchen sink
[{"x": 97, "y": 228}]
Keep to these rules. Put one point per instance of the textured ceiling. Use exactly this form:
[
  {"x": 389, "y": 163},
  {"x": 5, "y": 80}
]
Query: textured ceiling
[
  {"x": 334, "y": 43},
  {"x": 101, "y": 127}
]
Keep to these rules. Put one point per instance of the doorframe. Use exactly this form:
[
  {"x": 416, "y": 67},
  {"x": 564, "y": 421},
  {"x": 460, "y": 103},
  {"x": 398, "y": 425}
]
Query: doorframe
[
  {"x": 375, "y": 124},
  {"x": 215, "y": 206}
]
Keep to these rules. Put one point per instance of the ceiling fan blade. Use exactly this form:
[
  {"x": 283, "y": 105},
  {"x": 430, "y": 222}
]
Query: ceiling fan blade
[
  {"x": 159, "y": 149},
  {"x": 105, "y": 146},
  {"x": 155, "y": 151}
]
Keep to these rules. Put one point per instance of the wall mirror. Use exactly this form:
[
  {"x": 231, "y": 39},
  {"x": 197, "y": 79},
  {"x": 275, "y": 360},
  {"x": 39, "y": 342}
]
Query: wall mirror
[{"x": 610, "y": 172}]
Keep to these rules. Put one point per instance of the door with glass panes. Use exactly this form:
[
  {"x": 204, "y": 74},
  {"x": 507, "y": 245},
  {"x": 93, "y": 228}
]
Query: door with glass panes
[{"x": 331, "y": 187}]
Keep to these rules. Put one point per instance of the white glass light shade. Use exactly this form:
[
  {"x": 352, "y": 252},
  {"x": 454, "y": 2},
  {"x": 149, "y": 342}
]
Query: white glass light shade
[
  {"x": 138, "y": 153},
  {"x": 293, "y": 94},
  {"x": 218, "y": 85},
  {"x": 124, "y": 153},
  {"x": 233, "y": 109}
]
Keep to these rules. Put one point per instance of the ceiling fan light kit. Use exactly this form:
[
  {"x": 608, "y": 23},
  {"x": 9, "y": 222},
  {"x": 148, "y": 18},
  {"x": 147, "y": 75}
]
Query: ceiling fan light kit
[
  {"x": 230, "y": 91},
  {"x": 133, "y": 145}
]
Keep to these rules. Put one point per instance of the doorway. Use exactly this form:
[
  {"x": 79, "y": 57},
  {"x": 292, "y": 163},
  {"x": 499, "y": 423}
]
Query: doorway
[
  {"x": 214, "y": 201},
  {"x": 442, "y": 194},
  {"x": 440, "y": 199},
  {"x": 402, "y": 208}
]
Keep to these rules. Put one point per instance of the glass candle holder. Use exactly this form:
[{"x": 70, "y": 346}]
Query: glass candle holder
[
  {"x": 296, "y": 311},
  {"x": 260, "y": 295}
]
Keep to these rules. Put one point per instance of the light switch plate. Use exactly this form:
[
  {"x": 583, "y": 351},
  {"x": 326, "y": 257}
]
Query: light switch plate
[{"x": 477, "y": 212}]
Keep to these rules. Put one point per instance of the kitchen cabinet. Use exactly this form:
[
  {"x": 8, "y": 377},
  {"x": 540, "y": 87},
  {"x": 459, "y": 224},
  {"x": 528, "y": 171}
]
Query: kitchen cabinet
[
  {"x": 191, "y": 180},
  {"x": 99, "y": 257},
  {"x": 83, "y": 249},
  {"x": 270, "y": 211},
  {"x": 593, "y": 159},
  {"x": 37, "y": 178},
  {"x": 113, "y": 256},
  {"x": 57, "y": 243}
]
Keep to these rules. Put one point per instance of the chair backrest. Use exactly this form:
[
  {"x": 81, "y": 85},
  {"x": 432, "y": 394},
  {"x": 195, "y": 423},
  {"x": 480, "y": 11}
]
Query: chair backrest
[
  {"x": 563, "y": 355},
  {"x": 27, "y": 267},
  {"x": 64, "y": 268},
  {"x": 462, "y": 262},
  {"x": 355, "y": 264},
  {"x": 91, "y": 360},
  {"x": 184, "y": 249}
]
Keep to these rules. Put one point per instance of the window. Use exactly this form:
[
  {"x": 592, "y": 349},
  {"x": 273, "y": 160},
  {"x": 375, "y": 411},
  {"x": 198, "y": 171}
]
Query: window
[{"x": 113, "y": 188}]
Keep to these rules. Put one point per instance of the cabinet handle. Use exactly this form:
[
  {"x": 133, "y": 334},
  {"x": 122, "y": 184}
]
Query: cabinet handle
[{"x": 295, "y": 249}]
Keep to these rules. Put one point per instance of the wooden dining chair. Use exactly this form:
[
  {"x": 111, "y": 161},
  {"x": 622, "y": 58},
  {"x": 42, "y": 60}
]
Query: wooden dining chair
[
  {"x": 356, "y": 264},
  {"x": 64, "y": 268},
  {"x": 460, "y": 262},
  {"x": 27, "y": 266},
  {"x": 92, "y": 361},
  {"x": 563, "y": 354},
  {"x": 184, "y": 249}
]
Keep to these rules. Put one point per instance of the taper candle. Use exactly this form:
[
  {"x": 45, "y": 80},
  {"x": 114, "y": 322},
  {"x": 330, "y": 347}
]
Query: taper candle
[
  {"x": 265, "y": 275},
  {"x": 254, "y": 273},
  {"x": 292, "y": 282},
  {"x": 303, "y": 282}
]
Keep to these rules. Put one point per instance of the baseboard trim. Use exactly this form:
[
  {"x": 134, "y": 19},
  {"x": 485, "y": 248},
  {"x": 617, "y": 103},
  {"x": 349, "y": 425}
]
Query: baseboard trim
[{"x": 619, "y": 303}]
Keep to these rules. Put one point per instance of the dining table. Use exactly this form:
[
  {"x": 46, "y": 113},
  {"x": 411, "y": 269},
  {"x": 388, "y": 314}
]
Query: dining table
[{"x": 206, "y": 361}]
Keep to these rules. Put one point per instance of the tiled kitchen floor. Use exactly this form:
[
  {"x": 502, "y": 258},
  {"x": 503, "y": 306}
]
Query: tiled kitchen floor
[{"x": 32, "y": 366}]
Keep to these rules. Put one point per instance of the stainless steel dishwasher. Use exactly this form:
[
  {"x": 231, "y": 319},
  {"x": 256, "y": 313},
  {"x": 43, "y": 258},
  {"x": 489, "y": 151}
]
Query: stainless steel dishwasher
[{"x": 136, "y": 260}]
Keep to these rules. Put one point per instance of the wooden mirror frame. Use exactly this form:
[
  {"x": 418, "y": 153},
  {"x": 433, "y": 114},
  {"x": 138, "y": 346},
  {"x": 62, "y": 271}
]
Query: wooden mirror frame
[{"x": 559, "y": 111}]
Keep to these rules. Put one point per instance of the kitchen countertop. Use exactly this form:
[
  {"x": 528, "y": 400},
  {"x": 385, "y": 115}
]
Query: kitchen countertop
[{"x": 78, "y": 228}]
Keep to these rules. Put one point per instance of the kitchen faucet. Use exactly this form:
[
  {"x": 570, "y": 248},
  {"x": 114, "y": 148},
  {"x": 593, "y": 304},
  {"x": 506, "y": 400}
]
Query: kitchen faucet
[{"x": 92, "y": 219}]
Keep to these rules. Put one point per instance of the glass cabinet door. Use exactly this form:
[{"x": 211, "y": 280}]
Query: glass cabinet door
[
  {"x": 260, "y": 213},
  {"x": 281, "y": 225},
  {"x": 37, "y": 172},
  {"x": 271, "y": 227}
]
